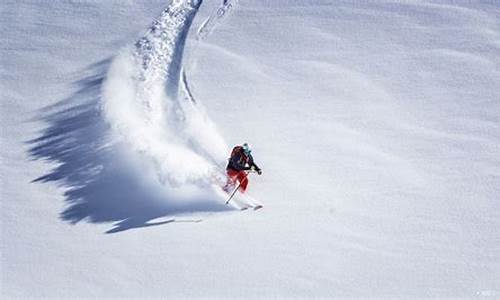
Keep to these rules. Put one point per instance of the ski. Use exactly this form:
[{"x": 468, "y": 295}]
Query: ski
[{"x": 254, "y": 207}]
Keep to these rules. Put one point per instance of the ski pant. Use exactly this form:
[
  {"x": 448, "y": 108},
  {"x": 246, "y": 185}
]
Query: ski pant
[{"x": 240, "y": 176}]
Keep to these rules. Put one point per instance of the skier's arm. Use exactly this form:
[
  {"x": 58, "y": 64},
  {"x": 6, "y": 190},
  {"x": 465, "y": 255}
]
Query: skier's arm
[{"x": 253, "y": 165}]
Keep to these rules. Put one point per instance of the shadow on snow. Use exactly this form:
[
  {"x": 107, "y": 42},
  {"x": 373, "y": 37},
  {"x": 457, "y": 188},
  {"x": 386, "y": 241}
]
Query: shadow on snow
[{"x": 99, "y": 187}]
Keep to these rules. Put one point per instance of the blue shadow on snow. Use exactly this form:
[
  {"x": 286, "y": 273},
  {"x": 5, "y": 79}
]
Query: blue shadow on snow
[{"x": 99, "y": 187}]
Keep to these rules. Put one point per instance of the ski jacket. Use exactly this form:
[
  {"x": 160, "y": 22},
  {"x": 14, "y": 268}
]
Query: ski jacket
[{"x": 240, "y": 161}]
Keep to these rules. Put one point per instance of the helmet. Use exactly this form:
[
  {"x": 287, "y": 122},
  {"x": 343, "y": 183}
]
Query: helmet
[{"x": 246, "y": 148}]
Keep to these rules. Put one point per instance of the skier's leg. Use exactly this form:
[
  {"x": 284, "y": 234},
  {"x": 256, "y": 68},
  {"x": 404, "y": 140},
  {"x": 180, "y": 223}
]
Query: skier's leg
[
  {"x": 231, "y": 180},
  {"x": 243, "y": 179}
]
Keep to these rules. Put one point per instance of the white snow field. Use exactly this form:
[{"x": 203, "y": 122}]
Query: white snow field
[{"x": 376, "y": 124}]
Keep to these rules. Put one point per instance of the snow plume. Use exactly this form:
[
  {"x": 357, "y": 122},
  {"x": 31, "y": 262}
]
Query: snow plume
[{"x": 151, "y": 110}]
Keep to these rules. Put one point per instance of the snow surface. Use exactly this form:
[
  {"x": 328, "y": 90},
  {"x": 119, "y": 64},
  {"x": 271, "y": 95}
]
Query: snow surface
[{"x": 377, "y": 125}]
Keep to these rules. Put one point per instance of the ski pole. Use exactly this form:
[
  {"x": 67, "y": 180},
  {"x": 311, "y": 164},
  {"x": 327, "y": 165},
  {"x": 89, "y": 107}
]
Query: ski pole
[{"x": 234, "y": 192}]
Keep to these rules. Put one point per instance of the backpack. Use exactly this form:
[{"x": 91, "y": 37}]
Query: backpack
[
  {"x": 239, "y": 150},
  {"x": 236, "y": 150}
]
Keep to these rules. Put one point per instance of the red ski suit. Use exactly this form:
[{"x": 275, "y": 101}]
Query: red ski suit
[{"x": 238, "y": 176}]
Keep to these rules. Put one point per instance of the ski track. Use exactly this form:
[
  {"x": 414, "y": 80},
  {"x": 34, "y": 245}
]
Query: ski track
[
  {"x": 210, "y": 23},
  {"x": 153, "y": 112}
]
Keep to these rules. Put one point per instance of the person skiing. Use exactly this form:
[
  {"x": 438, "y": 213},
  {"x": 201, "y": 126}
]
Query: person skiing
[{"x": 240, "y": 162}]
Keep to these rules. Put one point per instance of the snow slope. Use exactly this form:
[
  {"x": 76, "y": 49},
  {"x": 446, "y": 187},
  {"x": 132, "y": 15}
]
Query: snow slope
[{"x": 377, "y": 125}]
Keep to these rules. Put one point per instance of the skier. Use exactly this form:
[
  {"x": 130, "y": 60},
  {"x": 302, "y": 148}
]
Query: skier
[{"x": 240, "y": 162}]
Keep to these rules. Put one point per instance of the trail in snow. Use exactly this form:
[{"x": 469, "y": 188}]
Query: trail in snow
[
  {"x": 154, "y": 115},
  {"x": 152, "y": 110},
  {"x": 215, "y": 17}
]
